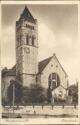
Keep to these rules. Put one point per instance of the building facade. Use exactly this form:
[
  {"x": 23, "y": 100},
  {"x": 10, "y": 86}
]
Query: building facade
[{"x": 28, "y": 70}]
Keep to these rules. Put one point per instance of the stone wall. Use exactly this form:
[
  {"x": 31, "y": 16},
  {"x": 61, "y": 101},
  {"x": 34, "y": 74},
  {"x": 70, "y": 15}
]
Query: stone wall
[
  {"x": 45, "y": 110},
  {"x": 26, "y": 55},
  {"x": 28, "y": 79}
]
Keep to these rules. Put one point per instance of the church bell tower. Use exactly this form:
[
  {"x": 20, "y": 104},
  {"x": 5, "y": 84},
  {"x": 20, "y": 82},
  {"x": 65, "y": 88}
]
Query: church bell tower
[{"x": 26, "y": 48}]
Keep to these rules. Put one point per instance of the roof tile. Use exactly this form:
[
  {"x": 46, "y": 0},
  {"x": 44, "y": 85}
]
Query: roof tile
[{"x": 26, "y": 15}]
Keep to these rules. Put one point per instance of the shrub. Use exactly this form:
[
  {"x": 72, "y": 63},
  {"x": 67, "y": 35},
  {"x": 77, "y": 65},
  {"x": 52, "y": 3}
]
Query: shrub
[{"x": 34, "y": 94}]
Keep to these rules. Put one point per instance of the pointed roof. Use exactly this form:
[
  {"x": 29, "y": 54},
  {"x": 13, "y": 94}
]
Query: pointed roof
[
  {"x": 26, "y": 15},
  {"x": 59, "y": 87},
  {"x": 42, "y": 64},
  {"x": 54, "y": 55}
]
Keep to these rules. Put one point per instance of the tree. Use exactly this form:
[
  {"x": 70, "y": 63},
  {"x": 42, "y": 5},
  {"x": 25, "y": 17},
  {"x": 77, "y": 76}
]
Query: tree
[
  {"x": 73, "y": 91},
  {"x": 17, "y": 91},
  {"x": 49, "y": 94}
]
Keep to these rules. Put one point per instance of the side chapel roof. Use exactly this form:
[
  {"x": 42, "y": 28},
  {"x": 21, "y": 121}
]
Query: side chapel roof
[{"x": 9, "y": 72}]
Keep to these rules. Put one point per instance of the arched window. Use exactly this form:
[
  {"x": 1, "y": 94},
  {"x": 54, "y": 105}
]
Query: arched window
[
  {"x": 33, "y": 40},
  {"x": 27, "y": 39},
  {"x": 53, "y": 80}
]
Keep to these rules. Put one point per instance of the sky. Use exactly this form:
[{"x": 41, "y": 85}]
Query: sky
[{"x": 57, "y": 33}]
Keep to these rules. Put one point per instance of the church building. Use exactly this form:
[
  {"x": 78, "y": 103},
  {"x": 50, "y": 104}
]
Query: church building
[{"x": 48, "y": 72}]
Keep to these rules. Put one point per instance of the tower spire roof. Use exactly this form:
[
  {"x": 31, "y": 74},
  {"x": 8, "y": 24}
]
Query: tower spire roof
[{"x": 26, "y": 15}]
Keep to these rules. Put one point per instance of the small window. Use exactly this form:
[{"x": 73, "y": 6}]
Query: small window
[
  {"x": 51, "y": 65},
  {"x": 56, "y": 66},
  {"x": 20, "y": 38}
]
